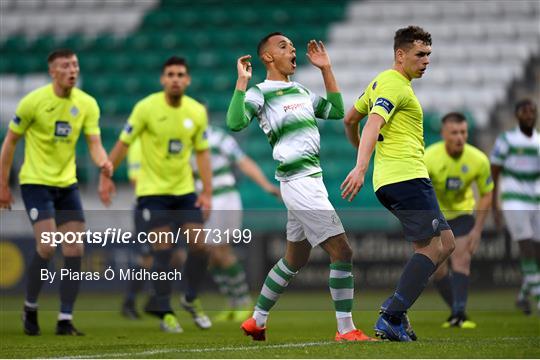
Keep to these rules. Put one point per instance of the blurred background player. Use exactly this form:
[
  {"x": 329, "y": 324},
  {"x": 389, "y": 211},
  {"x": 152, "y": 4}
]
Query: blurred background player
[
  {"x": 453, "y": 167},
  {"x": 515, "y": 164},
  {"x": 143, "y": 252},
  {"x": 227, "y": 272},
  {"x": 400, "y": 179},
  {"x": 170, "y": 125},
  {"x": 50, "y": 119},
  {"x": 287, "y": 114}
]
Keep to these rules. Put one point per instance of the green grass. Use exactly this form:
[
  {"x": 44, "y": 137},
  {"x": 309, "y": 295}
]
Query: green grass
[{"x": 302, "y": 326}]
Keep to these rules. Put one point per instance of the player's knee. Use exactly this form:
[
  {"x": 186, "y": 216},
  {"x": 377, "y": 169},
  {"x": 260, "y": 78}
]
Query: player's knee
[
  {"x": 73, "y": 250},
  {"x": 46, "y": 251},
  {"x": 448, "y": 243},
  {"x": 342, "y": 253}
]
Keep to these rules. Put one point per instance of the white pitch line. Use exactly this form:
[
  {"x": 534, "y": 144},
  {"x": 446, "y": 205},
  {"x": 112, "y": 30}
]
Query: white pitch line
[{"x": 229, "y": 348}]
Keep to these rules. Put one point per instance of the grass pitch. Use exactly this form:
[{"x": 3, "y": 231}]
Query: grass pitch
[{"x": 301, "y": 326}]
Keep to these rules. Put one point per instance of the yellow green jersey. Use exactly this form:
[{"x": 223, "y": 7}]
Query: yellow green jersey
[
  {"x": 168, "y": 136},
  {"x": 134, "y": 160},
  {"x": 452, "y": 178},
  {"x": 399, "y": 153},
  {"x": 51, "y": 126}
]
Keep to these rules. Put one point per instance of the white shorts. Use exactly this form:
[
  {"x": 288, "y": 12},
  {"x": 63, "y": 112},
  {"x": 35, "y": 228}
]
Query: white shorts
[
  {"x": 310, "y": 213},
  {"x": 523, "y": 224},
  {"x": 226, "y": 214}
]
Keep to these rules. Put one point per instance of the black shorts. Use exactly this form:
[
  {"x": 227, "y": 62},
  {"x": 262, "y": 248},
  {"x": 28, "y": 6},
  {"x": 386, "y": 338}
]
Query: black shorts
[
  {"x": 462, "y": 225},
  {"x": 45, "y": 202},
  {"x": 168, "y": 210},
  {"x": 414, "y": 203}
]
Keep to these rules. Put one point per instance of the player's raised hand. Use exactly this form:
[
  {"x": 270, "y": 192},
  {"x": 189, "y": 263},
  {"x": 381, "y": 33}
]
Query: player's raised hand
[
  {"x": 243, "y": 65},
  {"x": 317, "y": 54},
  {"x": 352, "y": 184},
  {"x": 5, "y": 197},
  {"x": 106, "y": 189}
]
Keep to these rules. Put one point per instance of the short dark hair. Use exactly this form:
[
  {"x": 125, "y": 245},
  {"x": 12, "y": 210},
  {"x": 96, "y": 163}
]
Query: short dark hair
[
  {"x": 522, "y": 103},
  {"x": 59, "y": 53},
  {"x": 175, "y": 60},
  {"x": 455, "y": 116},
  {"x": 405, "y": 37},
  {"x": 265, "y": 39}
]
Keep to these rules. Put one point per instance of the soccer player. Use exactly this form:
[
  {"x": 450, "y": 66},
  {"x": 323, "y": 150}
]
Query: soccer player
[
  {"x": 50, "y": 119},
  {"x": 400, "y": 180},
  {"x": 515, "y": 164},
  {"x": 286, "y": 112},
  {"x": 170, "y": 126},
  {"x": 453, "y": 167},
  {"x": 226, "y": 215}
]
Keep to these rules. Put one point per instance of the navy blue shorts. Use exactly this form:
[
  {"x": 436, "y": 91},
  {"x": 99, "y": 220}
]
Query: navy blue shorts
[
  {"x": 414, "y": 203},
  {"x": 45, "y": 202},
  {"x": 143, "y": 248},
  {"x": 168, "y": 210},
  {"x": 462, "y": 225}
]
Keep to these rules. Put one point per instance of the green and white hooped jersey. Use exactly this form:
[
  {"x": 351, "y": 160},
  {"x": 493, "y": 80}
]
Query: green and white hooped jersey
[
  {"x": 225, "y": 153},
  {"x": 519, "y": 157},
  {"x": 287, "y": 114}
]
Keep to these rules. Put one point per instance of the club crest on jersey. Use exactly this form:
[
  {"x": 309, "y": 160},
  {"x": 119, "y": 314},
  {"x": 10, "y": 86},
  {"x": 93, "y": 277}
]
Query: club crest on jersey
[
  {"x": 188, "y": 123},
  {"x": 74, "y": 111},
  {"x": 62, "y": 128},
  {"x": 279, "y": 92},
  {"x": 175, "y": 146},
  {"x": 464, "y": 169},
  {"x": 385, "y": 104}
]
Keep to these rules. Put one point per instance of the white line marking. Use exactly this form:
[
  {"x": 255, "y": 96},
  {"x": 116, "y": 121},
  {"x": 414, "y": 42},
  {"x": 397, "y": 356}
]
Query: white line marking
[{"x": 229, "y": 348}]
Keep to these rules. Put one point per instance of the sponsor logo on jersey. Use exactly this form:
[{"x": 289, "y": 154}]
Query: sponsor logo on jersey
[
  {"x": 16, "y": 120},
  {"x": 374, "y": 86},
  {"x": 385, "y": 104},
  {"x": 205, "y": 135},
  {"x": 62, "y": 128},
  {"x": 489, "y": 180},
  {"x": 188, "y": 123},
  {"x": 453, "y": 183},
  {"x": 292, "y": 107},
  {"x": 175, "y": 146}
]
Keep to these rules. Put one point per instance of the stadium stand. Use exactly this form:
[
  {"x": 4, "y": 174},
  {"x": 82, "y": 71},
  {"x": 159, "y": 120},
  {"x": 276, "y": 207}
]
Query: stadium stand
[{"x": 479, "y": 49}]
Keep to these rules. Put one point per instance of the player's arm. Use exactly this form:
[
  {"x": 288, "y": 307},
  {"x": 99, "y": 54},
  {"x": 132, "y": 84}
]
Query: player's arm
[
  {"x": 352, "y": 124},
  {"x": 497, "y": 216},
  {"x": 204, "y": 201},
  {"x": 98, "y": 154},
  {"x": 239, "y": 115},
  {"x": 6, "y": 160},
  {"x": 482, "y": 208},
  {"x": 318, "y": 56},
  {"x": 106, "y": 187},
  {"x": 355, "y": 180},
  {"x": 254, "y": 172}
]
